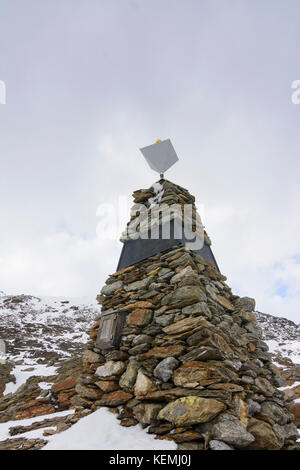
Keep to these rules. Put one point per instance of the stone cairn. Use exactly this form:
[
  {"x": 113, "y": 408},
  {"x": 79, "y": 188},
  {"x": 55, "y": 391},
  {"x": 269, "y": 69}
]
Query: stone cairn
[{"x": 191, "y": 365}]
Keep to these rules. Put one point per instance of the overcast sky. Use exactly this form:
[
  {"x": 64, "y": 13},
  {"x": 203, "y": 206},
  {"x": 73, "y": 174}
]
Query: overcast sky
[{"x": 88, "y": 82}]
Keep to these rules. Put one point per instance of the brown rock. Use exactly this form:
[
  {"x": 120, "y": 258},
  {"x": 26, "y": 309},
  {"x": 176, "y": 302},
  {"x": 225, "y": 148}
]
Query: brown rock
[
  {"x": 295, "y": 410},
  {"x": 128, "y": 379},
  {"x": 249, "y": 316},
  {"x": 185, "y": 325},
  {"x": 139, "y": 317},
  {"x": 161, "y": 352},
  {"x": 37, "y": 410},
  {"x": 191, "y": 410},
  {"x": 225, "y": 303},
  {"x": 49, "y": 432},
  {"x": 143, "y": 385},
  {"x": 110, "y": 368},
  {"x": 88, "y": 392},
  {"x": 141, "y": 304},
  {"x": 63, "y": 399},
  {"x": 89, "y": 357},
  {"x": 107, "y": 385},
  {"x": 147, "y": 413},
  {"x": 114, "y": 398},
  {"x": 186, "y": 436},
  {"x": 265, "y": 438},
  {"x": 183, "y": 296},
  {"x": 66, "y": 384},
  {"x": 265, "y": 386},
  {"x": 194, "y": 373}
]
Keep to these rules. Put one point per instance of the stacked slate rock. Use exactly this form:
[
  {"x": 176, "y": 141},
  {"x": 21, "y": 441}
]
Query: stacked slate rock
[
  {"x": 161, "y": 194},
  {"x": 191, "y": 366}
]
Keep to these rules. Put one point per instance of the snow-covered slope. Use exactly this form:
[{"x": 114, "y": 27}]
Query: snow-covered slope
[
  {"x": 283, "y": 338},
  {"x": 47, "y": 329}
]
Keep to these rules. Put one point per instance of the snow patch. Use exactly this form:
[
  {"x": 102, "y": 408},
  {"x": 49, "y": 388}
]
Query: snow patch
[{"x": 101, "y": 430}]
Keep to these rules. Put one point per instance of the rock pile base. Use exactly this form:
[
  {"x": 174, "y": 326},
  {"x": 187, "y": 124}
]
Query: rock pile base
[{"x": 191, "y": 365}]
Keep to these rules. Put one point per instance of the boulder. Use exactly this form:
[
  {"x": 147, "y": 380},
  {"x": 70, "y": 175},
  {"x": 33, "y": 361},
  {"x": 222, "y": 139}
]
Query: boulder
[{"x": 191, "y": 410}]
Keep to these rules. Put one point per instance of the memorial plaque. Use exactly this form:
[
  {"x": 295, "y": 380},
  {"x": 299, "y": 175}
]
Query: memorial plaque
[
  {"x": 110, "y": 329},
  {"x": 2, "y": 352}
]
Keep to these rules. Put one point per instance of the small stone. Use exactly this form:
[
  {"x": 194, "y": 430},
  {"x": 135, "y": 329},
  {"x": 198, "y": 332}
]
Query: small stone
[
  {"x": 139, "y": 285},
  {"x": 147, "y": 413},
  {"x": 249, "y": 317},
  {"x": 66, "y": 384},
  {"x": 225, "y": 302},
  {"x": 161, "y": 352},
  {"x": 212, "y": 292},
  {"x": 219, "y": 445},
  {"x": 143, "y": 385},
  {"x": 186, "y": 436},
  {"x": 185, "y": 325},
  {"x": 111, "y": 288},
  {"x": 89, "y": 357},
  {"x": 230, "y": 430},
  {"x": 137, "y": 305},
  {"x": 140, "y": 317},
  {"x": 202, "y": 354},
  {"x": 110, "y": 368},
  {"x": 184, "y": 272},
  {"x": 194, "y": 373},
  {"x": 138, "y": 349},
  {"x": 265, "y": 386},
  {"x": 245, "y": 304},
  {"x": 164, "y": 370},
  {"x": 128, "y": 379},
  {"x": 164, "y": 320},
  {"x": 265, "y": 438},
  {"x": 184, "y": 296},
  {"x": 107, "y": 385},
  {"x": 275, "y": 411},
  {"x": 253, "y": 407},
  {"x": 295, "y": 410},
  {"x": 198, "y": 308},
  {"x": 114, "y": 398},
  {"x": 88, "y": 392},
  {"x": 49, "y": 432},
  {"x": 141, "y": 339}
]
